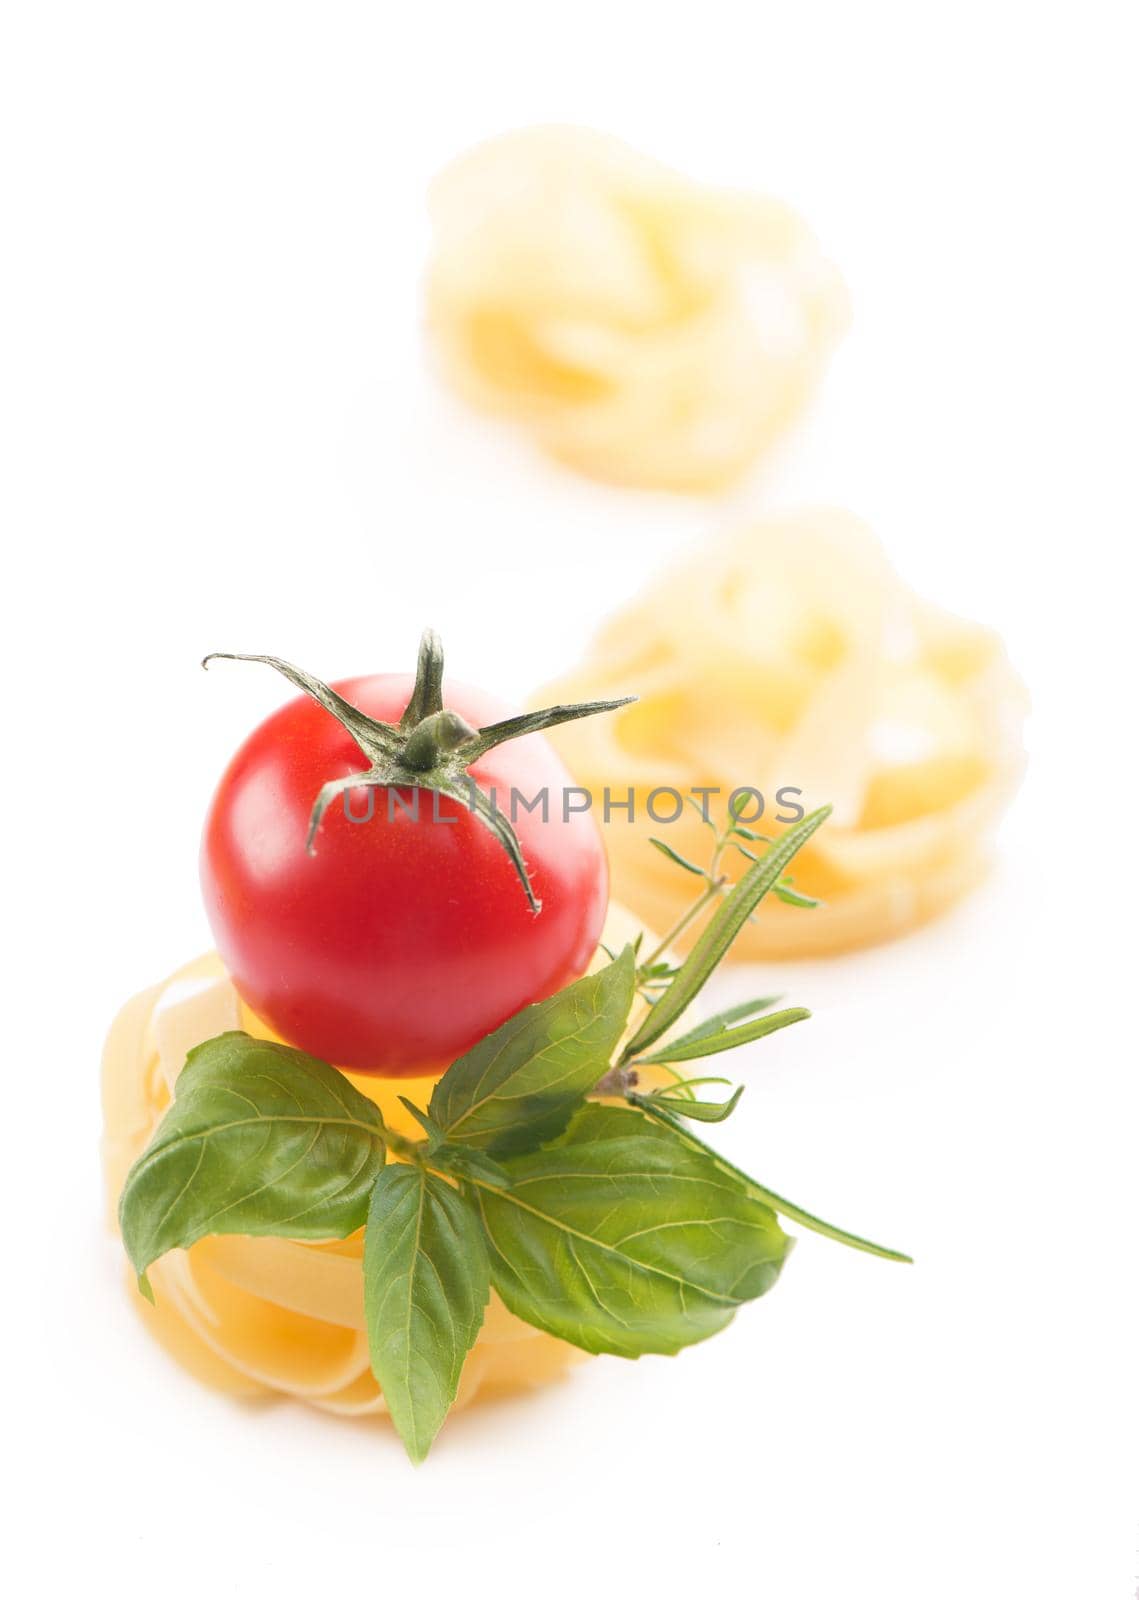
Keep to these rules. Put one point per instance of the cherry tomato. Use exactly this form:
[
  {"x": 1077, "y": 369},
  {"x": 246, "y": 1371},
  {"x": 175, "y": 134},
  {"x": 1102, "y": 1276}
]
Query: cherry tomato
[{"x": 401, "y": 940}]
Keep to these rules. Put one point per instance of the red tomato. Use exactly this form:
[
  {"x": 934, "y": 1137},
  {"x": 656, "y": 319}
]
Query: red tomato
[{"x": 400, "y": 942}]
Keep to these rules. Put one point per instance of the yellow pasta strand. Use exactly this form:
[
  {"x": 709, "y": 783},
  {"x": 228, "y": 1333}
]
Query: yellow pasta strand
[{"x": 791, "y": 654}]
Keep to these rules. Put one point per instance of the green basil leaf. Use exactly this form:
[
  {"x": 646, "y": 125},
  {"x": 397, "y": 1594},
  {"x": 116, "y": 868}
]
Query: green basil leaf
[
  {"x": 710, "y": 1044},
  {"x": 433, "y": 1131},
  {"x": 621, "y": 1239},
  {"x": 785, "y": 1208},
  {"x": 261, "y": 1139},
  {"x": 426, "y": 1285},
  {"x": 720, "y": 932},
  {"x": 459, "y": 1162},
  {"x": 520, "y": 1085}
]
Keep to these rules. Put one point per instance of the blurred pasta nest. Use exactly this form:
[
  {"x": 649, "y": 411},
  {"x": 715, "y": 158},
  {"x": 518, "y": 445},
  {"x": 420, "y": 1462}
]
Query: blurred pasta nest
[
  {"x": 650, "y": 330},
  {"x": 790, "y": 654},
  {"x": 269, "y": 1316}
]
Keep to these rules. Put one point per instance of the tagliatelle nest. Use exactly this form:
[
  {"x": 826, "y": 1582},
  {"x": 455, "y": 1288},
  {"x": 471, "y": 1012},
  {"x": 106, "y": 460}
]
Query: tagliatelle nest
[
  {"x": 264, "y": 1316},
  {"x": 651, "y": 331},
  {"x": 792, "y": 655}
]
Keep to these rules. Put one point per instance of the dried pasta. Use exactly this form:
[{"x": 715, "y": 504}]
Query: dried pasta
[
  {"x": 266, "y": 1316},
  {"x": 791, "y": 654},
  {"x": 650, "y": 330}
]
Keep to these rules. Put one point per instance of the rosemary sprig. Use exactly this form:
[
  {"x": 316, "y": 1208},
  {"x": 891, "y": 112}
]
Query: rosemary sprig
[{"x": 652, "y": 969}]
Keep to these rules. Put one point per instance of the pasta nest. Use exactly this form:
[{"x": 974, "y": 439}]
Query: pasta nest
[
  {"x": 791, "y": 654},
  {"x": 650, "y": 330},
  {"x": 267, "y": 1316}
]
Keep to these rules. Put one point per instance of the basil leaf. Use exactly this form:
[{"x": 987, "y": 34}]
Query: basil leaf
[
  {"x": 785, "y": 1208},
  {"x": 716, "y": 938},
  {"x": 459, "y": 1162},
  {"x": 426, "y": 1285},
  {"x": 431, "y": 1129},
  {"x": 520, "y": 1085},
  {"x": 710, "y": 1044},
  {"x": 261, "y": 1139},
  {"x": 621, "y": 1239}
]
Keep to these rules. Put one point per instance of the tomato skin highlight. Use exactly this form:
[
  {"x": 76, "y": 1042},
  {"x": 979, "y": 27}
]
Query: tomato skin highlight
[{"x": 403, "y": 940}]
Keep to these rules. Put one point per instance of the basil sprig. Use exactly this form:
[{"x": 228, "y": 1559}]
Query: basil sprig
[{"x": 608, "y": 1225}]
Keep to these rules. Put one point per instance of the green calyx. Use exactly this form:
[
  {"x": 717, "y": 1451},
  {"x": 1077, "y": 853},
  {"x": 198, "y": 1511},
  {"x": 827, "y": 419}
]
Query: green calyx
[{"x": 430, "y": 748}]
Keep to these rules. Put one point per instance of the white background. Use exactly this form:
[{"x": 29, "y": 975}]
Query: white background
[{"x": 219, "y": 431}]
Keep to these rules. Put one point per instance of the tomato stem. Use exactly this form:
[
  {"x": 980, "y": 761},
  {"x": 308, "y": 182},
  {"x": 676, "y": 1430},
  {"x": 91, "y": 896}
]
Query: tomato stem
[
  {"x": 427, "y": 696},
  {"x": 430, "y": 749},
  {"x": 435, "y": 738}
]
